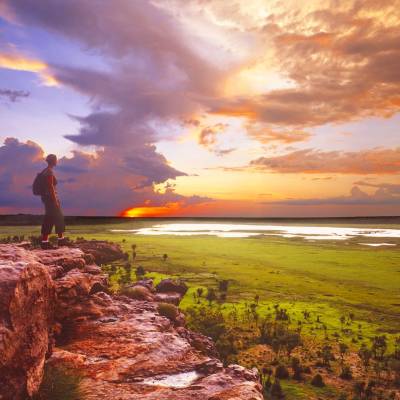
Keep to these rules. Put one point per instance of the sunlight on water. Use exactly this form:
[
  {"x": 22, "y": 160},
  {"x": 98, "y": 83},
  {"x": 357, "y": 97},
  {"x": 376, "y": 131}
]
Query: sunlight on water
[{"x": 232, "y": 230}]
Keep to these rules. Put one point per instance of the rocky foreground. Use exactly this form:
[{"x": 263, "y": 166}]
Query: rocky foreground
[{"x": 55, "y": 309}]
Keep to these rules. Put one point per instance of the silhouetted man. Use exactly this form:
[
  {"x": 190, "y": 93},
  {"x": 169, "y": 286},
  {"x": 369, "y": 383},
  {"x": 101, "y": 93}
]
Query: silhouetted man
[{"x": 53, "y": 215}]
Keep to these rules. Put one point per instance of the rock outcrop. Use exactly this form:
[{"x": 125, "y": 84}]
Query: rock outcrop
[{"x": 55, "y": 308}]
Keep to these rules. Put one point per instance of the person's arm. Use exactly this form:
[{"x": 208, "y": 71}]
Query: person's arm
[{"x": 52, "y": 191}]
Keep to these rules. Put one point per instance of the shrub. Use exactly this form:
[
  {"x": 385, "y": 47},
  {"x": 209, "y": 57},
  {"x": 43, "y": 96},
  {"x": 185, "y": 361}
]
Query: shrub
[
  {"x": 207, "y": 321},
  {"x": 281, "y": 372},
  {"x": 168, "y": 310},
  {"x": 211, "y": 295},
  {"x": 346, "y": 373},
  {"x": 223, "y": 285},
  {"x": 307, "y": 369},
  {"x": 59, "y": 383},
  {"x": 317, "y": 381},
  {"x": 297, "y": 369},
  {"x": 140, "y": 271},
  {"x": 136, "y": 292},
  {"x": 276, "y": 390}
]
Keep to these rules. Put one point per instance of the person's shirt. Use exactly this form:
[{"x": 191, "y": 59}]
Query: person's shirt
[{"x": 50, "y": 183}]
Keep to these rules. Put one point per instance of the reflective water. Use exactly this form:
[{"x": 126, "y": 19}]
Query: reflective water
[
  {"x": 179, "y": 380},
  {"x": 234, "y": 230}
]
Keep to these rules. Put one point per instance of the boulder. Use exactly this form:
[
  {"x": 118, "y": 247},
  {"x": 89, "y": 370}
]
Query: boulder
[
  {"x": 138, "y": 292},
  {"x": 168, "y": 297},
  {"x": 27, "y": 301},
  {"x": 171, "y": 285},
  {"x": 103, "y": 252}
]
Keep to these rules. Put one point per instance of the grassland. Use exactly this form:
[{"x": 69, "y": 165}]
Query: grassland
[
  {"x": 333, "y": 277},
  {"x": 330, "y": 279}
]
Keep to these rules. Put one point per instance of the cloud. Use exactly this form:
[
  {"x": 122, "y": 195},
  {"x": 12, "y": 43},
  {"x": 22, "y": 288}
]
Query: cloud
[
  {"x": 20, "y": 62},
  {"x": 13, "y": 95},
  {"x": 311, "y": 161},
  {"x": 153, "y": 69},
  {"x": 390, "y": 187},
  {"x": 343, "y": 60},
  {"x": 103, "y": 183},
  {"x": 151, "y": 77},
  {"x": 208, "y": 135},
  {"x": 356, "y": 197},
  {"x": 224, "y": 152},
  {"x": 266, "y": 135}
]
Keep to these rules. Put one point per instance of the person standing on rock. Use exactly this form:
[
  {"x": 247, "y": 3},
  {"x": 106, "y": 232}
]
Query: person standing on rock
[{"x": 45, "y": 186}]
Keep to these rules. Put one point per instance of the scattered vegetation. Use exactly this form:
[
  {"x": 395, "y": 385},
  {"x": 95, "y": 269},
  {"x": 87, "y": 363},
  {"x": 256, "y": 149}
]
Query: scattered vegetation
[
  {"x": 317, "y": 320},
  {"x": 168, "y": 310},
  {"x": 61, "y": 384}
]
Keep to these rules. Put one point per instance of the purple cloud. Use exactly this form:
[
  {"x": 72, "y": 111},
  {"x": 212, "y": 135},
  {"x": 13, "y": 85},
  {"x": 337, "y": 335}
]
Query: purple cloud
[
  {"x": 104, "y": 183},
  {"x": 13, "y": 95}
]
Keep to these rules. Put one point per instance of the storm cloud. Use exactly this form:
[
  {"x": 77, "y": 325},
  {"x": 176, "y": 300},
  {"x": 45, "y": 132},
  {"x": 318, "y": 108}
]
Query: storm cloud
[{"x": 103, "y": 183}]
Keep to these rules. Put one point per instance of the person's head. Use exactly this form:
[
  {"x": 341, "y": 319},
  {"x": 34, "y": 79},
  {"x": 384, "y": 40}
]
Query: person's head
[{"x": 51, "y": 159}]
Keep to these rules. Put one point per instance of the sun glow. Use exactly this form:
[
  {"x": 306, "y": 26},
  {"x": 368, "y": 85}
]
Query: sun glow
[{"x": 156, "y": 211}]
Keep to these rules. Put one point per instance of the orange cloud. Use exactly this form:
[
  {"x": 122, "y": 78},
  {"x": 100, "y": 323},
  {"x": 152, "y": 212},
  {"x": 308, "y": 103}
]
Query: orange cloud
[
  {"x": 208, "y": 135},
  {"x": 321, "y": 39},
  {"x": 235, "y": 111},
  {"x": 310, "y": 161},
  {"x": 266, "y": 135},
  {"x": 21, "y": 63},
  {"x": 344, "y": 65}
]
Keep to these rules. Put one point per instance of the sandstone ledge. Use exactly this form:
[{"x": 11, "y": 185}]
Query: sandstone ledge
[{"x": 54, "y": 308}]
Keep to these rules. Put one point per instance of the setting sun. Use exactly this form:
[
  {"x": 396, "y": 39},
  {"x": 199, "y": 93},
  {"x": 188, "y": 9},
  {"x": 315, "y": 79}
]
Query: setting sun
[{"x": 150, "y": 211}]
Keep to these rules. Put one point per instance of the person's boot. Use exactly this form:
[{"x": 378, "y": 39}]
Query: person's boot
[{"x": 46, "y": 246}]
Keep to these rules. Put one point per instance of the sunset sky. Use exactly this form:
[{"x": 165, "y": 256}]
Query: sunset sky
[{"x": 258, "y": 108}]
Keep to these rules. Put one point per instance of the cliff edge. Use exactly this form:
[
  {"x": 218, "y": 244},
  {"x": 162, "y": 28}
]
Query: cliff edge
[{"x": 56, "y": 310}]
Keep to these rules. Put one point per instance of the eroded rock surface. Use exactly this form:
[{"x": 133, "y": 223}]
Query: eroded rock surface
[{"x": 123, "y": 347}]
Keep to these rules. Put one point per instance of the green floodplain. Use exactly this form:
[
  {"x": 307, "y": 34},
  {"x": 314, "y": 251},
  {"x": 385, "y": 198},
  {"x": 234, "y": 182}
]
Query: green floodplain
[{"x": 336, "y": 281}]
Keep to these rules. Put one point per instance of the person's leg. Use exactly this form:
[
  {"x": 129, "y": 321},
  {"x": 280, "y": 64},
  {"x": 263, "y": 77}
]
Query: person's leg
[
  {"x": 47, "y": 226},
  {"x": 60, "y": 226},
  {"x": 48, "y": 221}
]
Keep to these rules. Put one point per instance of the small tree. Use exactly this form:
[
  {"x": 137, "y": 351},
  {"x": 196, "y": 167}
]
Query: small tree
[
  {"x": 379, "y": 347},
  {"x": 346, "y": 373},
  {"x": 358, "y": 389},
  {"x": 365, "y": 355},
  {"x": 292, "y": 341},
  {"x": 317, "y": 381},
  {"x": 211, "y": 295},
  {"x": 140, "y": 272},
  {"x": 276, "y": 390},
  {"x": 297, "y": 369},
  {"x": 223, "y": 285},
  {"x": 276, "y": 346},
  {"x": 281, "y": 372},
  {"x": 342, "y": 350},
  {"x": 326, "y": 355}
]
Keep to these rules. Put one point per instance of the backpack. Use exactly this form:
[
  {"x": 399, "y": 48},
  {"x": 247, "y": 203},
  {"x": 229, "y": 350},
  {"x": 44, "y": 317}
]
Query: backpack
[{"x": 38, "y": 186}]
